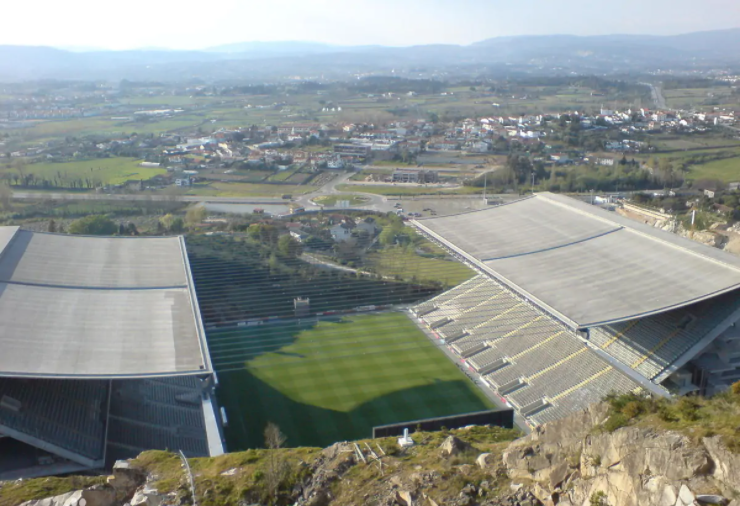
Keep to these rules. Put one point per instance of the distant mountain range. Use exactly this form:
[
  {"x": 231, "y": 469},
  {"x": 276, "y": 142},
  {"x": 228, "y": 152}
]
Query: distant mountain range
[{"x": 259, "y": 61}]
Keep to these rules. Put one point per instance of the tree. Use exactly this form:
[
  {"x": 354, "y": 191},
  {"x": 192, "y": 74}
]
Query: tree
[
  {"x": 172, "y": 224},
  {"x": 276, "y": 468},
  {"x": 6, "y": 197},
  {"x": 195, "y": 215},
  {"x": 266, "y": 234},
  {"x": 289, "y": 247},
  {"x": 52, "y": 226},
  {"x": 95, "y": 224}
]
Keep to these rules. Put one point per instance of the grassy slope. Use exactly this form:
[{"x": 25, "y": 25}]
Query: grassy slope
[
  {"x": 105, "y": 170},
  {"x": 399, "y": 262},
  {"x": 697, "y": 417},
  {"x": 17, "y": 492},
  {"x": 335, "y": 381}
]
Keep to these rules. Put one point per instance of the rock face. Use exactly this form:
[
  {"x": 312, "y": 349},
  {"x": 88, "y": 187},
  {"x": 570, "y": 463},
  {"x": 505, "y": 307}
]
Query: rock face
[{"x": 568, "y": 463}]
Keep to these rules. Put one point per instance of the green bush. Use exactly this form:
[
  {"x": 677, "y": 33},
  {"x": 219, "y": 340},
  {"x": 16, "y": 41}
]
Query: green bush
[
  {"x": 615, "y": 421},
  {"x": 688, "y": 408},
  {"x": 95, "y": 224},
  {"x": 631, "y": 409},
  {"x": 598, "y": 499},
  {"x": 735, "y": 389}
]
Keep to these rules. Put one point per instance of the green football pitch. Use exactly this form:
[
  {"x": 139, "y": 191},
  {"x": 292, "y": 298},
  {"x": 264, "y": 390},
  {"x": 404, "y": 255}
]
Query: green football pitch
[{"x": 333, "y": 380}]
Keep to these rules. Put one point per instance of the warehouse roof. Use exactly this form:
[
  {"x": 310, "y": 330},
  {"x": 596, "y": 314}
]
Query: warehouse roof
[
  {"x": 94, "y": 307},
  {"x": 586, "y": 265}
]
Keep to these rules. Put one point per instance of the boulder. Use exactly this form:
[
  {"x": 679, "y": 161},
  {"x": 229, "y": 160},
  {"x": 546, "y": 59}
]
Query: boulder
[
  {"x": 453, "y": 446},
  {"x": 726, "y": 464},
  {"x": 484, "y": 460},
  {"x": 403, "y": 498},
  {"x": 147, "y": 496},
  {"x": 685, "y": 497},
  {"x": 69, "y": 499},
  {"x": 94, "y": 496},
  {"x": 558, "y": 474},
  {"x": 126, "y": 479}
]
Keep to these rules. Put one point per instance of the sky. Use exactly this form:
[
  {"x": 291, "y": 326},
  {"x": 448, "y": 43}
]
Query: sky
[{"x": 188, "y": 24}]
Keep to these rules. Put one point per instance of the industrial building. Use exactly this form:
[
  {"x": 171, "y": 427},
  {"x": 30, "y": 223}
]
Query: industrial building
[
  {"x": 103, "y": 353},
  {"x": 573, "y": 302}
]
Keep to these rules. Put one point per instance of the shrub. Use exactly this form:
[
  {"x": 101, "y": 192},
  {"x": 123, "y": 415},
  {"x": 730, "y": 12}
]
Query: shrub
[
  {"x": 598, "y": 499},
  {"x": 631, "y": 409},
  {"x": 615, "y": 421},
  {"x": 95, "y": 224},
  {"x": 735, "y": 389},
  {"x": 688, "y": 408}
]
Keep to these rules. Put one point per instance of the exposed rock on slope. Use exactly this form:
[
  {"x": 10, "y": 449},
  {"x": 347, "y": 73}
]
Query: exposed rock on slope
[
  {"x": 568, "y": 463},
  {"x": 571, "y": 462}
]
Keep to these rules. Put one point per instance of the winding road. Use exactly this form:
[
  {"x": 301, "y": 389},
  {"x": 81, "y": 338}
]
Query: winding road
[{"x": 374, "y": 202}]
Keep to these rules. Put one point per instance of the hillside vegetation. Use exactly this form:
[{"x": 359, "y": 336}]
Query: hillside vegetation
[{"x": 629, "y": 451}]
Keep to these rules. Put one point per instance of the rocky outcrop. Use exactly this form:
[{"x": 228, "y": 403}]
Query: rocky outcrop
[
  {"x": 125, "y": 486},
  {"x": 453, "y": 446},
  {"x": 93, "y": 496},
  {"x": 570, "y": 463}
]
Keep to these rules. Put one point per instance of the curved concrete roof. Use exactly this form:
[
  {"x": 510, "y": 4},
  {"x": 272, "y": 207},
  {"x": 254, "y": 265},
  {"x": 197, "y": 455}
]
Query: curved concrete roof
[
  {"x": 586, "y": 265},
  {"x": 102, "y": 307}
]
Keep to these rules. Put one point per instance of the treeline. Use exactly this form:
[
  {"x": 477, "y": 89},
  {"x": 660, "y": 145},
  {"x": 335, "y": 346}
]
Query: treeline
[
  {"x": 626, "y": 175},
  {"x": 384, "y": 84}
]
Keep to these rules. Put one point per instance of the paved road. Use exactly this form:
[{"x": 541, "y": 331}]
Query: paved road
[
  {"x": 657, "y": 95},
  {"x": 374, "y": 203}
]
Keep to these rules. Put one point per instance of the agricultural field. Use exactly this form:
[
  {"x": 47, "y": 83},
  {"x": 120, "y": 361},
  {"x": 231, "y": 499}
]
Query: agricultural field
[
  {"x": 333, "y": 380},
  {"x": 727, "y": 170},
  {"x": 100, "y": 170},
  {"x": 698, "y": 98}
]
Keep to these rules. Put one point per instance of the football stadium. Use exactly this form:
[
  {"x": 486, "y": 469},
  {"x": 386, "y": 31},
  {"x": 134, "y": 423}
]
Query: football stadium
[
  {"x": 573, "y": 303},
  {"x": 114, "y": 345},
  {"x": 102, "y": 353}
]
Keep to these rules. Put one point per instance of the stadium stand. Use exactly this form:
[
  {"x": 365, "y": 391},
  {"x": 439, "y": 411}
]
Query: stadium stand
[
  {"x": 528, "y": 357},
  {"x": 573, "y": 303},
  {"x": 162, "y": 413},
  {"x": 102, "y": 353}
]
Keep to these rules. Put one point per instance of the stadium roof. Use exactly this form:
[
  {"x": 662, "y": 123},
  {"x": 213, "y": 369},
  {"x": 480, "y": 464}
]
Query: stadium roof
[
  {"x": 93, "y": 307},
  {"x": 585, "y": 265}
]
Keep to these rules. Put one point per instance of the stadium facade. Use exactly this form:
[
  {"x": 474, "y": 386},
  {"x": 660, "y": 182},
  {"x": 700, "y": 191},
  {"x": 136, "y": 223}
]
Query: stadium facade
[
  {"x": 573, "y": 302},
  {"x": 102, "y": 353}
]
